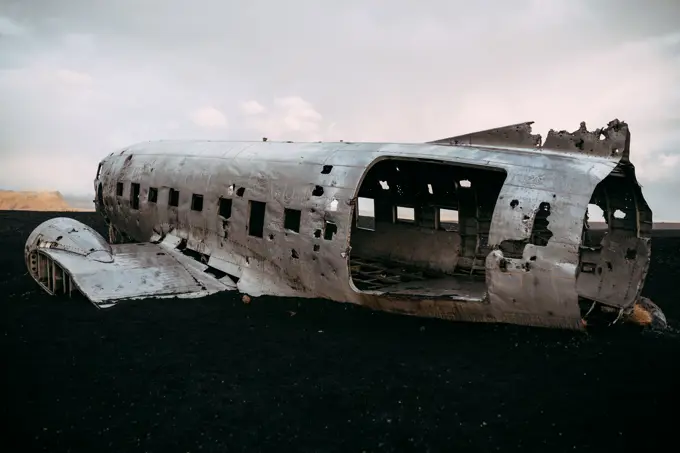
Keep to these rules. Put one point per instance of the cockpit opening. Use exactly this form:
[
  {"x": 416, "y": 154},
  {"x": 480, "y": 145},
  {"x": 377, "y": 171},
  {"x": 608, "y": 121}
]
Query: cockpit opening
[{"x": 421, "y": 228}]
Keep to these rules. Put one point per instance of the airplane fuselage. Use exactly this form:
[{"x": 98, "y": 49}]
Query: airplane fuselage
[{"x": 285, "y": 219}]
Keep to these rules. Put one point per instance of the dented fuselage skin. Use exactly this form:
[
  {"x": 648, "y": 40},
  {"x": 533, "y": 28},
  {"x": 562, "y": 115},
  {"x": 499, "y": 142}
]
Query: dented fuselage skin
[{"x": 526, "y": 280}]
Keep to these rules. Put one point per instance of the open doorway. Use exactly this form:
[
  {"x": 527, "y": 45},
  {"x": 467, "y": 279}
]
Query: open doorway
[{"x": 421, "y": 228}]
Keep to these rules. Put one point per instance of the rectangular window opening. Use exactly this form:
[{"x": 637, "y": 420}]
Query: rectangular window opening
[
  {"x": 196, "y": 202},
  {"x": 365, "y": 214},
  {"x": 134, "y": 195},
  {"x": 153, "y": 195},
  {"x": 291, "y": 219},
  {"x": 119, "y": 189},
  {"x": 329, "y": 229},
  {"x": 406, "y": 215},
  {"x": 447, "y": 219},
  {"x": 173, "y": 197},
  {"x": 256, "y": 222},
  {"x": 225, "y": 208}
]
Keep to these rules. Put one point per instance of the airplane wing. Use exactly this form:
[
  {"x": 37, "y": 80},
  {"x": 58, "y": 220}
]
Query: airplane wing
[{"x": 64, "y": 255}]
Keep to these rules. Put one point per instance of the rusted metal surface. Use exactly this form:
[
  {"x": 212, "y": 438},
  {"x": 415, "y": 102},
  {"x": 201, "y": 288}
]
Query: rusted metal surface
[{"x": 281, "y": 219}]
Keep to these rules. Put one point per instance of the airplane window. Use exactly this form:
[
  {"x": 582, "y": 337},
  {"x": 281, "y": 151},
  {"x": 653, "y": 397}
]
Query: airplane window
[
  {"x": 196, "y": 202},
  {"x": 365, "y": 214},
  {"x": 153, "y": 194},
  {"x": 225, "y": 207},
  {"x": 291, "y": 219},
  {"x": 173, "y": 197},
  {"x": 134, "y": 195},
  {"x": 329, "y": 230},
  {"x": 256, "y": 223},
  {"x": 406, "y": 215},
  {"x": 448, "y": 219},
  {"x": 119, "y": 189}
]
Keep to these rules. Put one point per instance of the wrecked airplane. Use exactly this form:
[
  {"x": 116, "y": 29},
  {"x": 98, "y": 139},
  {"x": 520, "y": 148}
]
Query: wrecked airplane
[{"x": 490, "y": 226}]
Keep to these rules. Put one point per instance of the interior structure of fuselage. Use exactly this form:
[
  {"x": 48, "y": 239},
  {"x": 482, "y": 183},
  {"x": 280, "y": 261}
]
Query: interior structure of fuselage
[{"x": 421, "y": 229}]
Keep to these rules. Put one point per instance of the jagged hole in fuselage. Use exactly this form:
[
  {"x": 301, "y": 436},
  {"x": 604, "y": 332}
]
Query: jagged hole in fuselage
[
  {"x": 614, "y": 250},
  {"x": 421, "y": 229}
]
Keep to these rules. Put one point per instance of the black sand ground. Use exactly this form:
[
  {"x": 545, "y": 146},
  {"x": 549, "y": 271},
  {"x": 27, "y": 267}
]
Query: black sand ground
[{"x": 217, "y": 375}]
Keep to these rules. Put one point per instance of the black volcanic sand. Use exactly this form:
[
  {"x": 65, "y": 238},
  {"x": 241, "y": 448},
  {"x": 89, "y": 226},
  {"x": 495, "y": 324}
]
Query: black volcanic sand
[{"x": 217, "y": 375}]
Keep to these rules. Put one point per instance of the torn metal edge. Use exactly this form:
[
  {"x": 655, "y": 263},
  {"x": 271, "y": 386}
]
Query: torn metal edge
[{"x": 612, "y": 141}]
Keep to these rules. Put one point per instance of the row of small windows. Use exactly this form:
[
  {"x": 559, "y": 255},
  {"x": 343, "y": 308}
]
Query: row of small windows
[
  {"x": 173, "y": 198},
  {"x": 291, "y": 219}
]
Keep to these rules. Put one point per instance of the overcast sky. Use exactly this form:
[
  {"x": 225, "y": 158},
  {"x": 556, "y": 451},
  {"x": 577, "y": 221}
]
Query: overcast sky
[{"x": 81, "y": 78}]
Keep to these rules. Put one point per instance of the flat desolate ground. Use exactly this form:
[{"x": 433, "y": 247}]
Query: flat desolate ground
[{"x": 215, "y": 374}]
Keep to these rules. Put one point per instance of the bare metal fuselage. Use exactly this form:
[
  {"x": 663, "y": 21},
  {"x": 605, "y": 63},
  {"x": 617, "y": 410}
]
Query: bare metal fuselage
[{"x": 283, "y": 219}]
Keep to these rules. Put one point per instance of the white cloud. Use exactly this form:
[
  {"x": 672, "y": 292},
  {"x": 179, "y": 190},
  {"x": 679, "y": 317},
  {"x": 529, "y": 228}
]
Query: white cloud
[
  {"x": 658, "y": 167},
  {"x": 669, "y": 162},
  {"x": 209, "y": 118},
  {"x": 290, "y": 118},
  {"x": 10, "y": 28},
  {"x": 298, "y": 114},
  {"x": 252, "y": 108},
  {"x": 73, "y": 77}
]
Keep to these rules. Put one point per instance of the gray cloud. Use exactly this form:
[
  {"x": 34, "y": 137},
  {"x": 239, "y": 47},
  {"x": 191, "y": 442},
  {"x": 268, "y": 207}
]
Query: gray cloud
[{"x": 79, "y": 78}]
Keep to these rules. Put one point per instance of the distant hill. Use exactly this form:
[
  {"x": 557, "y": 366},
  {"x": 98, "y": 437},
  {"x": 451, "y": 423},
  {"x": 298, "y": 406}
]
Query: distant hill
[{"x": 37, "y": 201}]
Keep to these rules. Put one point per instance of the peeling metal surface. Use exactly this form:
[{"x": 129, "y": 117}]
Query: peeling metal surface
[{"x": 282, "y": 219}]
